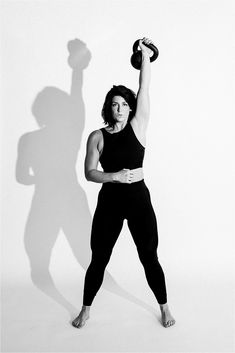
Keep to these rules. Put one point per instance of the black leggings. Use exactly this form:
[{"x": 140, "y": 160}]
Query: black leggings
[{"x": 117, "y": 202}]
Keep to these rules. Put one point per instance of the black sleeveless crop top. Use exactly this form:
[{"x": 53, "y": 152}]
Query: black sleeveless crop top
[{"x": 121, "y": 150}]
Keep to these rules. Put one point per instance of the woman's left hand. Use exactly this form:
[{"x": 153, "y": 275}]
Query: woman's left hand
[{"x": 143, "y": 47}]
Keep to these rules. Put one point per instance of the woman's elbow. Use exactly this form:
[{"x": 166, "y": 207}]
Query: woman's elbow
[{"x": 88, "y": 175}]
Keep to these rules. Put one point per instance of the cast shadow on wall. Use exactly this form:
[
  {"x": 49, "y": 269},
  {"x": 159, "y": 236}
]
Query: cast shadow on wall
[{"x": 47, "y": 159}]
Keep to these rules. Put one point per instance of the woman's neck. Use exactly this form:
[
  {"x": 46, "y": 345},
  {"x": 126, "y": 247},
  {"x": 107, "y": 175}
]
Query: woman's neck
[{"x": 118, "y": 126}]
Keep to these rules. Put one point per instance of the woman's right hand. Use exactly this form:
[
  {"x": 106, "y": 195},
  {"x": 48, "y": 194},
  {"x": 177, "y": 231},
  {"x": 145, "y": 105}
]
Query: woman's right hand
[
  {"x": 123, "y": 176},
  {"x": 144, "y": 48}
]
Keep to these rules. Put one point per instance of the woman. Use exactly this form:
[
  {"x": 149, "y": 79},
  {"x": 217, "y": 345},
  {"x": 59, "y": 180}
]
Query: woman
[{"x": 120, "y": 149}]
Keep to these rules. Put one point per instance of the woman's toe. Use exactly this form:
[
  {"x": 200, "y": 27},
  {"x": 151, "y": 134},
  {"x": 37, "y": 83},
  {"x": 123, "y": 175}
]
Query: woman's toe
[{"x": 75, "y": 323}]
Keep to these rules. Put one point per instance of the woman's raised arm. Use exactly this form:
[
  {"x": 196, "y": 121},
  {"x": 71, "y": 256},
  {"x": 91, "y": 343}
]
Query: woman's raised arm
[{"x": 143, "y": 101}]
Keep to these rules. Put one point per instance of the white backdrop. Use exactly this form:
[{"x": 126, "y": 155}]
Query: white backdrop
[{"x": 189, "y": 162}]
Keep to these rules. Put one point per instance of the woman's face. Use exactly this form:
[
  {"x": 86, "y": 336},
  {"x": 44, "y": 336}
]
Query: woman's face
[{"x": 120, "y": 109}]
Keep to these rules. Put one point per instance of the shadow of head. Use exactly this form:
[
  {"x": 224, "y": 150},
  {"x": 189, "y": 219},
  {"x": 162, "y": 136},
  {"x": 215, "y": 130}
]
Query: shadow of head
[{"x": 51, "y": 106}]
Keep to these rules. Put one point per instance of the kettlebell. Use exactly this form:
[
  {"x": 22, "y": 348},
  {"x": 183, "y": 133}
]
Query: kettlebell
[{"x": 136, "y": 58}]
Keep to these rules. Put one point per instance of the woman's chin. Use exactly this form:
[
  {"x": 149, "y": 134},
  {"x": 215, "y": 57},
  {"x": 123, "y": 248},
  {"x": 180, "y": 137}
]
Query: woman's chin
[{"x": 120, "y": 119}]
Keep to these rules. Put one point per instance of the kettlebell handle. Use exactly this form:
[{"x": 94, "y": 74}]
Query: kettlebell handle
[
  {"x": 150, "y": 46},
  {"x": 136, "y": 58}
]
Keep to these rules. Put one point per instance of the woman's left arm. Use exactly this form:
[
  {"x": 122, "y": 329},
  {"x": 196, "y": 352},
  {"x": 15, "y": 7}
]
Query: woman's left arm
[{"x": 143, "y": 101}]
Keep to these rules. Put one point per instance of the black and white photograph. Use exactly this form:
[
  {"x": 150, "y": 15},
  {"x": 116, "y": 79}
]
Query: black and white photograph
[{"x": 117, "y": 176}]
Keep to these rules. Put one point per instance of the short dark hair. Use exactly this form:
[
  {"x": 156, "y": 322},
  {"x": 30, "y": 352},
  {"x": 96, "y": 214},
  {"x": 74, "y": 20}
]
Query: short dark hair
[{"x": 127, "y": 94}]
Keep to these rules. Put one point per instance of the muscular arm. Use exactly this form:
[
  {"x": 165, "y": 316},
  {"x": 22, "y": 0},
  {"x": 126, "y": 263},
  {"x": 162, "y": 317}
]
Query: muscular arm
[
  {"x": 143, "y": 101},
  {"x": 92, "y": 159}
]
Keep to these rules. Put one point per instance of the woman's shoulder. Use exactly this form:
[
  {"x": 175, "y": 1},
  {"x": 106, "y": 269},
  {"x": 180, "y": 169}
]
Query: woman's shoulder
[
  {"x": 95, "y": 134},
  {"x": 95, "y": 137},
  {"x": 96, "y": 140}
]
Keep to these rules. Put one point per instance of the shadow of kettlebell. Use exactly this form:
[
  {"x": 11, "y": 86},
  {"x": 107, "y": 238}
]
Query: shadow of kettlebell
[{"x": 136, "y": 58}]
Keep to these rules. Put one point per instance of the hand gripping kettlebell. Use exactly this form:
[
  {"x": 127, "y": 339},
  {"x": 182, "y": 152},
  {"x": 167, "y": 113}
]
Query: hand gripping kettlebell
[{"x": 136, "y": 58}]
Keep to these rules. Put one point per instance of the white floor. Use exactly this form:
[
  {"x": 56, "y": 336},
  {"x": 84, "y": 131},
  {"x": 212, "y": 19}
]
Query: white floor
[{"x": 202, "y": 306}]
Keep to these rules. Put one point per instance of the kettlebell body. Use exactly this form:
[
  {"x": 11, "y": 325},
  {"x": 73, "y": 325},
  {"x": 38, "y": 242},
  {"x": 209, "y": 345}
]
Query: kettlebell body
[{"x": 136, "y": 58}]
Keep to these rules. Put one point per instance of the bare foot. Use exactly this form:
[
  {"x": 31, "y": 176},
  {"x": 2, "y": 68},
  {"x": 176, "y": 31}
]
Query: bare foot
[
  {"x": 167, "y": 318},
  {"x": 80, "y": 321}
]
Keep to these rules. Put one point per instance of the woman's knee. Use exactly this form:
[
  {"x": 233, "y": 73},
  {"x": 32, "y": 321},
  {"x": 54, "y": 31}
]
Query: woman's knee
[
  {"x": 148, "y": 257},
  {"x": 100, "y": 260}
]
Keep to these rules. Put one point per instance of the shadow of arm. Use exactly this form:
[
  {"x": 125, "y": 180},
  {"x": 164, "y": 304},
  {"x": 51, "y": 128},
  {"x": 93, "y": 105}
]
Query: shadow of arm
[{"x": 22, "y": 171}]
